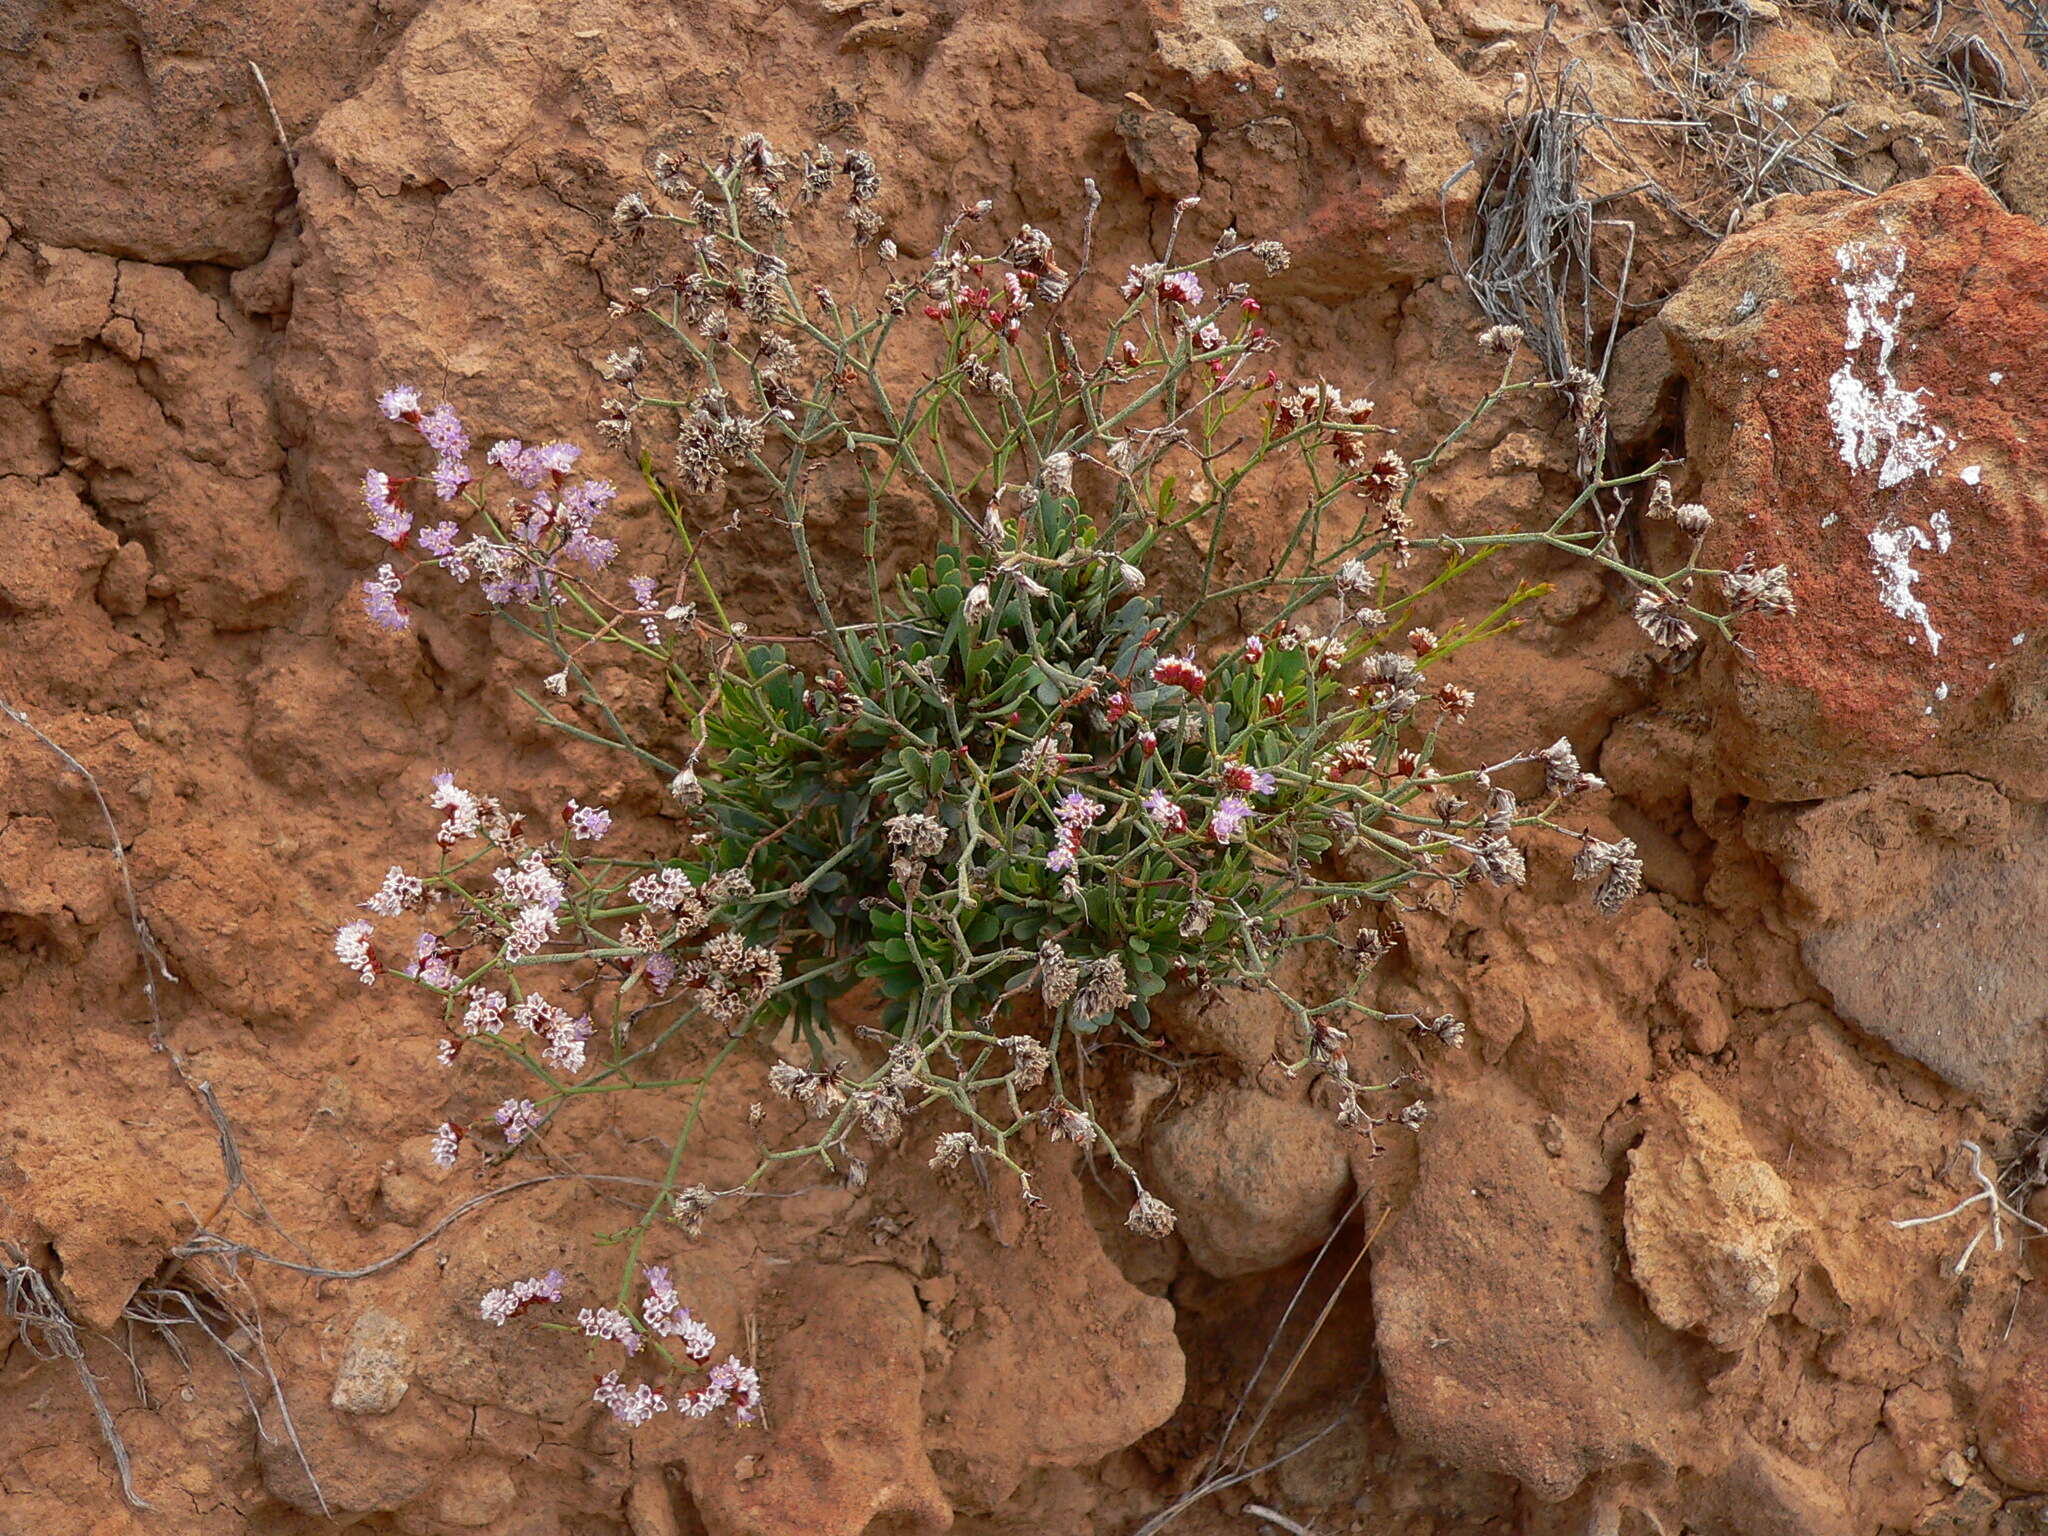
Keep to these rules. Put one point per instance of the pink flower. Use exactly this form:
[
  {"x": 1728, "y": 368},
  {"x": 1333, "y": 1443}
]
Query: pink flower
[
  {"x": 518, "y": 1119},
  {"x": 567, "y": 1045},
  {"x": 1226, "y": 822},
  {"x": 1180, "y": 672},
  {"x": 485, "y": 1014},
  {"x": 1182, "y": 288},
  {"x": 1254, "y": 649},
  {"x": 1209, "y": 338},
  {"x": 530, "y": 883},
  {"x": 465, "y": 811},
  {"x": 730, "y": 1382},
  {"x": 380, "y": 601}
]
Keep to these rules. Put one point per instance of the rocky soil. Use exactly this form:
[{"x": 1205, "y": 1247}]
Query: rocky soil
[{"x": 1639, "y": 1273}]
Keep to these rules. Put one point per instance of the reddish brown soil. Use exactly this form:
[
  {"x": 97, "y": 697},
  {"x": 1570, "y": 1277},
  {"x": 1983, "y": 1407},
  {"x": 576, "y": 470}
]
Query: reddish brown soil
[{"x": 1638, "y": 1274}]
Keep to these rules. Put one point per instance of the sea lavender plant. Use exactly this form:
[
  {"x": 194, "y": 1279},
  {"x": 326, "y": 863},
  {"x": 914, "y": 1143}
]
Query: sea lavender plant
[{"x": 1075, "y": 762}]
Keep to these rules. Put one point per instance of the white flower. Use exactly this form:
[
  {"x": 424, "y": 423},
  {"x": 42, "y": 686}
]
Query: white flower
[
  {"x": 399, "y": 892},
  {"x": 352, "y": 949}
]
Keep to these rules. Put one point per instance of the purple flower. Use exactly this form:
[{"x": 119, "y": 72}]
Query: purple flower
[
  {"x": 1077, "y": 810},
  {"x": 518, "y": 1119},
  {"x": 592, "y": 551},
  {"x": 567, "y": 1045},
  {"x": 631, "y": 1406},
  {"x": 508, "y": 1301},
  {"x": 1182, "y": 288},
  {"x": 661, "y": 973},
  {"x": 389, "y": 520},
  {"x": 450, "y": 476},
  {"x": 1163, "y": 811},
  {"x": 665, "y": 1313},
  {"x": 1239, "y": 778},
  {"x": 605, "y": 1323},
  {"x": 380, "y": 601},
  {"x": 1226, "y": 822},
  {"x": 402, "y": 401},
  {"x": 642, "y": 588},
  {"x": 586, "y": 500},
  {"x": 589, "y": 822},
  {"x": 517, "y": 460},
  {"x": 1061, "y": 860},
  {"x": 557, "y": 458},
  {"x": 444, "y": 432},
  {"x": 438, "y": 539}
]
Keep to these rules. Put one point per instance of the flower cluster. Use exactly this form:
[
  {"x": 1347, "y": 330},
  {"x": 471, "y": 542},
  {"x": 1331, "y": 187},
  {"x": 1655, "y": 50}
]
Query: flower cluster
[
  {"x": 729, "y": 1384},
  {"x": 515, "y": 548}
]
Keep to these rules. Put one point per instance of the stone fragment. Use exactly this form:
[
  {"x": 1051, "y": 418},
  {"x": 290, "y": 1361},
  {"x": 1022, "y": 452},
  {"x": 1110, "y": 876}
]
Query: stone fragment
[
  {"x": 1256, "y": 1180},
  {"x": 1912, "y": 898},
  {"x": 476, "y": 1492},
  {"x": 845, "y": 1449},
  {"x": 1162, "y": 147},
  {"x": 376, "y": 1365},
  {"x": 55, "y": 547},
  {"x": 2023, "y": 164},
  {"x": 1712, "y": 1235},
  {"x": 1242, "y": 1023},
  {"x": 997, "y": 1412},
  {"x": 1506, "y": 1341}
]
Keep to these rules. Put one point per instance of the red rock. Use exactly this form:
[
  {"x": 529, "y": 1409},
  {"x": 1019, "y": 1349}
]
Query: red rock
[
  {"x": 1863, "y": 379},
  {"x": 2012, "y": 1430}
]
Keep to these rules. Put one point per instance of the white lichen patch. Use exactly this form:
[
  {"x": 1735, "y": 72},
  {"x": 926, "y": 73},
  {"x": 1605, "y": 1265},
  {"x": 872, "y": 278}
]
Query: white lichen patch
[
  {"x": 1878, "y": 423},
  {"x": 1971, "y": 474},
  {"x": 1892, "y": 546}
]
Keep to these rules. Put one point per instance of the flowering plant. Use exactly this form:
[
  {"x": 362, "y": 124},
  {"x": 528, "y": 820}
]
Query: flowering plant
[{"x": 988, "y": 813}]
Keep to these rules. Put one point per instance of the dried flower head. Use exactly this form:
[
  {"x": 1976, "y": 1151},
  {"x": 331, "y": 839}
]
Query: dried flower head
[
  {"x": 1150, "y": 1216},
  {"x": 1616, "y": 866}
]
